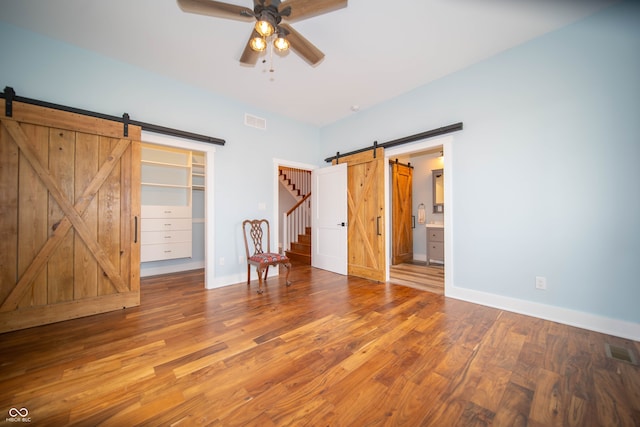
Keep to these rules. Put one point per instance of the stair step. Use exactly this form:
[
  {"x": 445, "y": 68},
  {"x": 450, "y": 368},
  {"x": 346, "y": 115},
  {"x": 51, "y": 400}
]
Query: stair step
[
  {"x": 299, "y": 257},
  {"x": 291, "y": 187},
  {"x": 301, "y": 247},
  {"x": 304, "y": 238}
]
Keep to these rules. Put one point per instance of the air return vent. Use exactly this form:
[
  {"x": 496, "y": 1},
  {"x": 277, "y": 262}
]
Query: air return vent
[
  {"x": 620, "y": 353},
  {"x": 255, "y": 122}
]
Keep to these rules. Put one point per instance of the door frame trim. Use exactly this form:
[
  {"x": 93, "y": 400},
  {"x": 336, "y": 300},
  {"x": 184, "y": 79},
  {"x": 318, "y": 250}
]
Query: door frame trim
[{"x": 446, "y": 142}]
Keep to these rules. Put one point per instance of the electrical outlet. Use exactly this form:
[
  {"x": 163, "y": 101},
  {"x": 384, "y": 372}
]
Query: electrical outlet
[{"x": 541, "y": 282}]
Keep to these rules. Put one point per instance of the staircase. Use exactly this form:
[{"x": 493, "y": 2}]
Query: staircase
[
  {"x": 300, "y": 252},
  {"x": 296, "y": 181},
  {"x": 296, "y": 222}
]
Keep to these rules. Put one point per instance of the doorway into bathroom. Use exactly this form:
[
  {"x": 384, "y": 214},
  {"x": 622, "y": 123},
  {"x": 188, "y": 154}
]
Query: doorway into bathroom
[{"x": 416, "y": 260}]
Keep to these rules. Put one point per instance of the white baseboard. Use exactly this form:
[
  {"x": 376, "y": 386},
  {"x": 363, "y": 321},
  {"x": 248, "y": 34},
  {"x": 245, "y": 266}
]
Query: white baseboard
[{"x": 592, "y": 322}]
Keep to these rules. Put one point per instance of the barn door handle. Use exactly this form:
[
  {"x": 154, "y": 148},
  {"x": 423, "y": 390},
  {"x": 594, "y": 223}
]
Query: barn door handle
[
  {"x": 413, "y": 221},
  {"x": 378, "y": 226},
  {"x": 135, "y": 229}
]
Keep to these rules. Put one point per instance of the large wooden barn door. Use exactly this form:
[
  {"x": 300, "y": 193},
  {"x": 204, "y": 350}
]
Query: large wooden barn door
[
  {"x": 366, "y": 214},
  {"x": 402, "y": 202},
  {"x": 69, "y": 212}
]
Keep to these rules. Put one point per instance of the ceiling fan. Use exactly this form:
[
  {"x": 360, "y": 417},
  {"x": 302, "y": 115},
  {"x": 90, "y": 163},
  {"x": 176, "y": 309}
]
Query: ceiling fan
[{"x": 269, "y": 26}]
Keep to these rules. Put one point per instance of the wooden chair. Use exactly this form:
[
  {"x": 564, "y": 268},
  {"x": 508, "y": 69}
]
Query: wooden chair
[{"x": 254, "y": 231}]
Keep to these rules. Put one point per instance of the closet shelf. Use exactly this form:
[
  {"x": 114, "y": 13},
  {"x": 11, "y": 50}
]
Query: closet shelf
[
  {"x": 163, "y": 164},
  {"x": 155, "y": 184}
]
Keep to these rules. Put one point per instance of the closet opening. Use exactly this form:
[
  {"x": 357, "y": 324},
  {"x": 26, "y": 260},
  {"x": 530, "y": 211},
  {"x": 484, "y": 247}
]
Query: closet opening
[{"x": 177, "y": 223}]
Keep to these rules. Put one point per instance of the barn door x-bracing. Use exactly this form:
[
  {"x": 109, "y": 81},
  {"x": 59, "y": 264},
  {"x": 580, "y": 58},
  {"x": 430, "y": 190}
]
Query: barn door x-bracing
[
  {"x": 402, "y": 218},
  {"x": 366, "y": 213},
  {"x": 69, "y": 211}
]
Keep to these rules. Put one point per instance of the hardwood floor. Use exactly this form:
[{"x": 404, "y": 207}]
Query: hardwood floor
[
  {"x": 328, "y": 351},
  {"x": 418, "y": 275}
]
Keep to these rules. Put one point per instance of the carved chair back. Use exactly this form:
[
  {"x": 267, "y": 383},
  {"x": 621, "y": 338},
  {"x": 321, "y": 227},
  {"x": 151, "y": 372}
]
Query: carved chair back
[{"x": 256, "y": 230}]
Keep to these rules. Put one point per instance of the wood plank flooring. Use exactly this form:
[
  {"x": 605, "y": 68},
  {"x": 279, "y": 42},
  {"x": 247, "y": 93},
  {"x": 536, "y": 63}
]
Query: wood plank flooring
[
  {"x": 328, "y": 351},
  {"x": 418, "y": 275}
]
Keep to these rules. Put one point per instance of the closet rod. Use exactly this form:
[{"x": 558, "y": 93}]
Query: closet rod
[
  {"x": 9, "y": 96},
  {"x": 411, "y": 138}
]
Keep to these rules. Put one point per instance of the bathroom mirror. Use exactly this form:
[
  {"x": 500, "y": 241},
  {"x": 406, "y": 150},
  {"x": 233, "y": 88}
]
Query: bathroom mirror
[{"x": 437, "y": 176}]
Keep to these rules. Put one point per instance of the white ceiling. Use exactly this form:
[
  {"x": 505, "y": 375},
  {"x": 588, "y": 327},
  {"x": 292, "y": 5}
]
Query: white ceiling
[{"x": 375, "y": 49}]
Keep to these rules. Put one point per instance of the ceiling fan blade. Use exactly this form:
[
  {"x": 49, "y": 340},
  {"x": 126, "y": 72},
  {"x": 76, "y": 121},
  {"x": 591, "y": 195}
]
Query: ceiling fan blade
[
  {"x": 302, "y": 46},
  {"x": 250, "y": 56},
  {"x": 217, "y": 9},
  {"x": 303, "y": 9}
]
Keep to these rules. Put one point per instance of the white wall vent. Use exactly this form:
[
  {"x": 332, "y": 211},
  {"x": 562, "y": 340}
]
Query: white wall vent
[{"x": 255, "y": 122}]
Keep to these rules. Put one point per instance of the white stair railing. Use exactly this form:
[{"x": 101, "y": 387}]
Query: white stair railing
[
  {"x": 296, "y": 220},
  {"x": 297, "y": 181}
]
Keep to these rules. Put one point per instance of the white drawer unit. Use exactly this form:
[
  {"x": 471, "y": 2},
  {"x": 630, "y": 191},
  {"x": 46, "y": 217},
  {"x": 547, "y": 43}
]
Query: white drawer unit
[
  {"x": 164, "y": 224},
  {"x": 167, "y": 201},
  {"x": 162, "y": 237},
  {"x": 165, "y": 233},
  {"x": 152, "y": 211},
  {"x": 435, "y": 244},
  {"x": 165, "y": 251}
]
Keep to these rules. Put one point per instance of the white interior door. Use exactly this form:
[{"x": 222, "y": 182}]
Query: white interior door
[{"x": 329, "y": 218}]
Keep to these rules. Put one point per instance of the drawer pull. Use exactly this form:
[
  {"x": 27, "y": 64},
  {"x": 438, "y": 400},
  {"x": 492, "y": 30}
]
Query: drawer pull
[
  {"x": 167, "y": 225},
  {"x": 167, "y": 211},
  {"x": 167, "y": 251}
]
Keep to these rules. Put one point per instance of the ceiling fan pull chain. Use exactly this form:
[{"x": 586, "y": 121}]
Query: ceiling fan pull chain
[{"x": 271, "y": 70}]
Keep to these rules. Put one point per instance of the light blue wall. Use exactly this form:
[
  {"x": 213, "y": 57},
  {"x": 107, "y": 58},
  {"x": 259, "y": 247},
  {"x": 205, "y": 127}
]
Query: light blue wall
[
  {"x": 41, "y": 68},
  {"x": 547, "y": 168}
]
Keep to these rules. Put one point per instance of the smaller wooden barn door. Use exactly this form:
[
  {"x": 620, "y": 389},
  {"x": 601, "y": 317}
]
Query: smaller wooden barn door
[
  {"x": 402, "y": 202},
  {"x": 70, "y": 204},
  {"x": 366, "y": 214}
]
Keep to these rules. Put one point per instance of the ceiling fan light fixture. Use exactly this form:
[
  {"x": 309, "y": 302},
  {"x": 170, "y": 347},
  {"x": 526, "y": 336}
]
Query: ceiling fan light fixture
[
  {"x": 258, "y": 44},
  {"x": 281, "y": 43},
  {"x": 265, "y": 25},
  {"x": 266, "y": 16}
]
